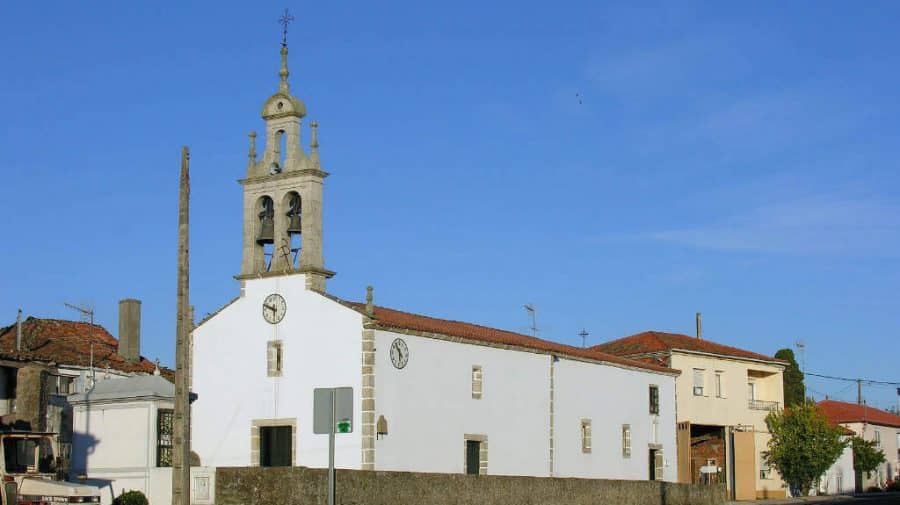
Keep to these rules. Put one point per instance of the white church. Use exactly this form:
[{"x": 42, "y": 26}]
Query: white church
[{"x": 430, "y": 395}]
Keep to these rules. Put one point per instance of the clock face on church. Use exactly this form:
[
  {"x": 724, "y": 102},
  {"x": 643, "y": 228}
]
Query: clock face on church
[
  {"x": 399, "y": 353},
  {"x": 274, "y": 308}
]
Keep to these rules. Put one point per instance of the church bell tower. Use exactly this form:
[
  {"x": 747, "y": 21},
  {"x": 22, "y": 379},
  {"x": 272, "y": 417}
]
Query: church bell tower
[{"x": 283, "y": 194}]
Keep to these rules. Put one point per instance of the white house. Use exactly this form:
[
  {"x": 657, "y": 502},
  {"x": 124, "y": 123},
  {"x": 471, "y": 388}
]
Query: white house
[
  {"x": 871, "y": 424},
  {"x": 841, "y": 477},
  {"x": 430, "y": 394},
  {"x": 123, "y": 440}
]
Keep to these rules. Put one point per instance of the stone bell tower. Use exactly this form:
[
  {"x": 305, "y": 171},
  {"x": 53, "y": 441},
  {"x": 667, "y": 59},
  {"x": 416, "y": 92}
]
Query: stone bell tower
[{"x": 283, "y": 195}]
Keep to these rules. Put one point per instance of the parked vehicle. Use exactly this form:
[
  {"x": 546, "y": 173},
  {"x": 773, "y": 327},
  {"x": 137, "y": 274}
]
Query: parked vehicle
[{"x": 29, "y": 471}]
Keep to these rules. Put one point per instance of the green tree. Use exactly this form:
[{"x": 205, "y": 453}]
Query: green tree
[
  {"x": 866, "y": 457},
  {"x": 803, "y": 445},
  {"x": 794, "y": 389}
]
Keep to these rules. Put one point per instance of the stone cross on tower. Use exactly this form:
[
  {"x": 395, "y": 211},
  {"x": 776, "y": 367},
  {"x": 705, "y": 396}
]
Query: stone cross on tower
[{"x": 283, "y": 191}]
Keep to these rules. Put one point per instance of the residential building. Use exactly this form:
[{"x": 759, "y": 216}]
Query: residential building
[
  {"x": 840, "y": 478},
  {"x": 722, "y": 398},
  {"x": 430, "y": 394},
  {"x": 123, "y": 440},
  {"x": 870, "y": 423},
  {"x": 42, "y": 361}
]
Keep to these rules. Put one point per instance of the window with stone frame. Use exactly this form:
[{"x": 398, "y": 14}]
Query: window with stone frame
[
  {"x": 586, "y": 435},
  {"x": 275, "y": 358},
  {"x": 477, "y": 382},
  {"x": 626, "y": 440},
  {"x": 164, "y": 437},
  {"x": 654, "y": 399}
]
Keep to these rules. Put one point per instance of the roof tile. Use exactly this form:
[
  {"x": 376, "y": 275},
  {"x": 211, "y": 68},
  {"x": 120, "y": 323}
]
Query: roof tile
[
  {"x": 68, "y": 343},
  {"x": 844, "y": 412},
  {"x": 655, "y": 341},
  {"x": 396, "y": 319}
]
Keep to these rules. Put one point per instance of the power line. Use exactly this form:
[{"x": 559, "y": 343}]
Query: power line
[{"x": 869, "y": 381}]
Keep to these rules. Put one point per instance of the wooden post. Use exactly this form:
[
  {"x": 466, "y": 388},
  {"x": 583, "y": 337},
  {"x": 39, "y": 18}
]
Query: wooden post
[{"x": 181, "y": 461}]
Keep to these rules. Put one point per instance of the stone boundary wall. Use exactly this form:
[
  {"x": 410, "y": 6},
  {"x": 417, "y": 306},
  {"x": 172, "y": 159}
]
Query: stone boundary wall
[{"x": 299, "y": 485}]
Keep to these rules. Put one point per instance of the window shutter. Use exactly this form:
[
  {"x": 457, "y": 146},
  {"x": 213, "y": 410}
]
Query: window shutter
[
  {"x": 585, "y": 435},
  {"x": 658, "y": 463},
  {"x": 626, "y": 441}
]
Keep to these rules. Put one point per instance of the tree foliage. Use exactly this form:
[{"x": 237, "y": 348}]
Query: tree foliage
[
  {"x": 866, "y": 457},
  {"x": 803, "y": 445},
  {"x": 794, "y": 389}
]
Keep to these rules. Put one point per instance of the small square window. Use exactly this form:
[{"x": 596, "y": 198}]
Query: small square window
[
  {"x": 586, "y": 435},
  {"x": 626, "y": 440},
  {"x": 275, "y": 358},
  {"x": 477, "y": 382}
]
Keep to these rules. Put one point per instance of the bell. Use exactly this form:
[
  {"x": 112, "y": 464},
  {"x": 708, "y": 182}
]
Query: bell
[
  {"x": 294, "y": 224},
  {"x": 266, "y": 231}
]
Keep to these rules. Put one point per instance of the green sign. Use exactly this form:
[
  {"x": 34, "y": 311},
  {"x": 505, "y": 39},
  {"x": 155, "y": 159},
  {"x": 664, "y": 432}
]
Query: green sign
[{"x": 343, "y": 426}]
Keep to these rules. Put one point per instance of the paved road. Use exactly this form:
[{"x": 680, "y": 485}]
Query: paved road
[{"x": 865, "y": 499}]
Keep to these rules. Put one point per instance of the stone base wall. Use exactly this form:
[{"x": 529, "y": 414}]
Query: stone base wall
[{"x": 289, "y": 485}]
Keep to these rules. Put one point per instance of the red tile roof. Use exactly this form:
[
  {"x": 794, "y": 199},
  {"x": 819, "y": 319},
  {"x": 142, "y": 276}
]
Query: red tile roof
[
  {"x": 67, "y": 343},
  {"x": 399, "y": 320},
  {"x": 656, "y": 341},
  {"x": 844, "y": 412}
]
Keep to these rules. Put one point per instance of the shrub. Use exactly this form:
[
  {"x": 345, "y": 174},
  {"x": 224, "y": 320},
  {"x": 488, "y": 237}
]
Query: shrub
[
  {"x": 132, "y": 497},
  {"x": 873, "y": 489}
]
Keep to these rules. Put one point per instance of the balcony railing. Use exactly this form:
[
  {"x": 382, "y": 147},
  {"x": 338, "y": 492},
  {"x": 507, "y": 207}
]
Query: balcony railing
[{"x": 764, "y": 405}]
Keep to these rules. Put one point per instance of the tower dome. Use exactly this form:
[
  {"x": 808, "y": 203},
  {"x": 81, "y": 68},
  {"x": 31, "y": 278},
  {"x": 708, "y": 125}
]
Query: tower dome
[{"x": 283, "y": 103}]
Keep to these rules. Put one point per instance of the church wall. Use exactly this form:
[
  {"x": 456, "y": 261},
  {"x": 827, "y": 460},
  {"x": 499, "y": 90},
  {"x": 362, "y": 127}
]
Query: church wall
[
  {"x": 321, "y": 343},
  {"x": 429, "y": 407},
  {"x": 609, "y": 397}
]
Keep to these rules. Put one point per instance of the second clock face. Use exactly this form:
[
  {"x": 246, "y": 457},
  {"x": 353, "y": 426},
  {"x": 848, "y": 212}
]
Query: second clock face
[
  {"x": 399, "y": 353},
  {"x": 274, "y": 308}
]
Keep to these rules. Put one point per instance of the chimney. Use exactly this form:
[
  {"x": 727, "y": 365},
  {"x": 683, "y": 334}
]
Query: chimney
[
  {"x": 130, "y": 329},
  {"x": 699, "y": 325},
  {"x": 19, "y": 330}
]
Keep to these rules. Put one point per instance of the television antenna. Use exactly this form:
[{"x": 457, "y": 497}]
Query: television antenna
[
  {"x": 87, "y": 313},
  {"x": 801, "y": 348},
  {"x": 532, "y": 311},
  {"x": 584, "y": 334}
]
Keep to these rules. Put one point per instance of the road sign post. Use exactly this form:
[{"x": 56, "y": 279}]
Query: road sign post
[{"x": 332, "y": 413}]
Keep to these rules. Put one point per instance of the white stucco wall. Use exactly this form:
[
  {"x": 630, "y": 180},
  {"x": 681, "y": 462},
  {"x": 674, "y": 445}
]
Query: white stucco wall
[
  {"x": 611, "y": 396},
  {"x": 840, "y": 478},
  {"x": 114, "y": 445},
  {"x": 429, "y": 407},
  {"x": 322, "y": 344}
]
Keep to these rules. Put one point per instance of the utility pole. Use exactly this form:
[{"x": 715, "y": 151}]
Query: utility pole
[
  {"x": 583, "y": 336},
  {"x": 181, "y": 461}
]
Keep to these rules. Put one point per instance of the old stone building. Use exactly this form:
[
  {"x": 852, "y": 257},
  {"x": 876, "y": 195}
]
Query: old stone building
[
  {"x": 430, "y": 394},
  {"x": 42, "y": 361}
]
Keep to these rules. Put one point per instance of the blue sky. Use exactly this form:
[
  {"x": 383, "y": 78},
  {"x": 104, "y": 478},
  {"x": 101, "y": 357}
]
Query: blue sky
[{"x": 739, "y": 160}]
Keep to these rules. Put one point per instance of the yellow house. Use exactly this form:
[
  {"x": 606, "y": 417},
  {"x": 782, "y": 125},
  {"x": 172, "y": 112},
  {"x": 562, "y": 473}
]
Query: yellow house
[{"x": 721, "y": 398}]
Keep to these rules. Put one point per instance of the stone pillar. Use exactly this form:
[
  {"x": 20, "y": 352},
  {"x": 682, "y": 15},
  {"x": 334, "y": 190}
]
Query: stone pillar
[
  {"x": 130, "y": 329},
  {"x": 368, "y": 399}
]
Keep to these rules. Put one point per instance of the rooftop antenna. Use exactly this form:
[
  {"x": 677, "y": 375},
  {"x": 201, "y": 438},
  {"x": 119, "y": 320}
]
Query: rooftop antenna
[
  {"x": 87, "y": 313},
  {"x": 583, "y": 336},
  {"x": 801, "y": 348},
  {"x": 530, "y": 308}
]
